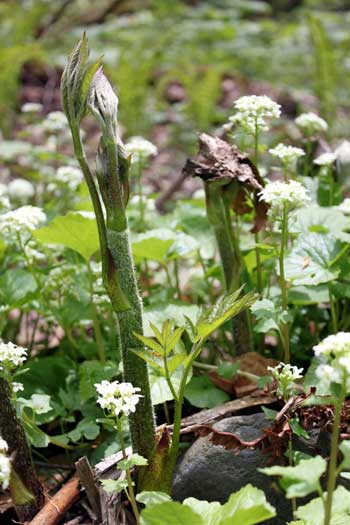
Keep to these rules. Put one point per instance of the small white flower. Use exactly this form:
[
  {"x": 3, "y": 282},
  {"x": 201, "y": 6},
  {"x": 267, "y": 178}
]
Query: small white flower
[
  {"x": 55, "y": 122},
  {"x": 4, "y": 200},
  {"x": 32, "y": 107},
  {"x": 117, "y": 398},
  {"x": 345, "y": 206},
  {"x": 254, "y": 113},
  {"x": 3, "y": 445},
  {"x": 335, "y": 345},
  {"x": 21, "y": 221},
  {"x": 5, "y": 470},
  {"x": 278, "y": 194},
  {"x": 17, "y": 387},
  {"x": 288, "y": 155},
  {"x": 21, "y": 189},
  {"x": 70, "y": 176},
  {"x": 327, "y": 374},
  {"x": 285, "y": 375},
  {"x": 343, "y": 152},
  {"x": 140, "y": 149},
  {"x": 325, "y": 159},
  {"x": 11, "y": 355},
  {"x": 311, "y": 124}
]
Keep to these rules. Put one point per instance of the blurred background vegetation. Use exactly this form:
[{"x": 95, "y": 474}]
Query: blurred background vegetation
[{"x": 182, "y": 62}]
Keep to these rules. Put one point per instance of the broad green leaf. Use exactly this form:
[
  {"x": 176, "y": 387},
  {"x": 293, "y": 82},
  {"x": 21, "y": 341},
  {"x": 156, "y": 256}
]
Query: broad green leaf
[
  {"x": 87, "y": 428},
  {"x": 91, "y": 372},
  {"x": 36, "y": 436},
  {"x": 113, "y": 486},
  {"x": 160, "y": 391},
  {"x": 201, "y": 393},
  {"x": 210, "y": 512},
  {"x": 149, "y": 498},
  {"x": 224, "y": 309},
  {"x": 246, "y": 507},
  {"x": 160, "y": 313},
  {"x": 153, "y": 245},
  {"x": 307, "y": 295},
  {"x": 17, "y": 287},
  {"x": 301, "y": 480},
  {"x": 313, "y": 513},
  {"x": 170, "y": 513},
  {"x": 74, "y": 230},
  {"x": 329, "y": 220},
  {"x": 267, "y": 315},
  {"x": 39, "y": 403},
  {"x": 134, "y": 460},
  {"x": 312, "y": 260},
  {"x": 345, "y": 450}
]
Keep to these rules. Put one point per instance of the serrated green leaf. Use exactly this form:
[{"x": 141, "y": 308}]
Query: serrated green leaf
[
  {"x": 345, "y": 450},
  {"x": 150, "y": 343},
  {"x": 303, "y": 479},
  {"x": 73, "y": 230},
  {"x": 171, "y": 513},
  {"x": 134, "y": 460},
  {"x": 223, "y": 310},
  {"x": 313, "y": 513},
  {"x": 112, "y": 486},
  {"x": 248, "y": 506},
  {"x": 17, "y": 286},
  {"x": 149, "y": 498}
]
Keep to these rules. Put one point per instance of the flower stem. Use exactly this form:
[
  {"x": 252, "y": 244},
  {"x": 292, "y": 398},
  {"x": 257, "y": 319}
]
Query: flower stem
[
  {"x": 283, "y": 284},
  {"x": 332, "y": 470},
  {"x": 333, "y": 311},
  {"x": 256, "y": 235},
  {"x": 140, "y": 194},
  {"x": 130, "y": 492}
]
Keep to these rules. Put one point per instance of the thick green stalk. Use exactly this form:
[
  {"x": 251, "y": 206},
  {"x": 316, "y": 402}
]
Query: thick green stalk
[
  {"x": 130, "y": 320},
  {"x": 332, "y": 470},
  {"x": 283, "y": 285},
  {"x": 26, "y": 490}
]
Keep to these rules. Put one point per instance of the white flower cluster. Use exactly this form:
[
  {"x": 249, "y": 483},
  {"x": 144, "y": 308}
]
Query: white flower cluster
[
  {"x": 5, "y": 465},
  {"x": 20, "y": 221},
  {"x": 21, "y": 189},
  {"x": 32, "y": 107},
  {"x": 285, "y": 375},
  {"x": 4, "y": 200},
  {"x": 345, "y": 206},
  {"x": 70, "y": 176},
  {"x": 278, "y": 194},
  {"x": 140, "y": 149},
  {"x": 311, "y": 124},
  {"x": 254, "y": 113},
  {"x": 334, "y": 353},
  {"x": 288, "y": 155},
  {"x": 117, "y": 398},
  {"x": 11, "y": 355},
  {"x": 325, "y": 159},
  {"x": 55, "y": 122}
]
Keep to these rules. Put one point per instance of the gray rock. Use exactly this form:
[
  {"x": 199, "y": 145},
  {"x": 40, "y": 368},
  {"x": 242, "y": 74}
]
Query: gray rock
[{"x": 210, "y": 472}]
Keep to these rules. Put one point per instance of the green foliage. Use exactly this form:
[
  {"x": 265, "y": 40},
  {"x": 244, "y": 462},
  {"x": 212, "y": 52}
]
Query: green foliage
[
  {"x": 74, "y": 230},
  {"x": 301, "y": 480},
  {"x": 246, "y": 507},
  {"x": 201, "y": 392}
]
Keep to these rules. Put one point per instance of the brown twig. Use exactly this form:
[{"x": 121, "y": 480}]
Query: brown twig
[{"x": 59, "y": 504}]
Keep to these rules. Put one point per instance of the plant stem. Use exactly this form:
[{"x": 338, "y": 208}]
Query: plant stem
[
  {"x": 283, "y": 284},
  {"x": 130, "y": 320},
  {"x": 332, "y": 470},
  {"x": 140, "y": 194},
  {"x": 95, "y": 320},
  {"x": 333, "y": 311},
  {"x": 130, "y": 493},
  {"x": 256, "y": 235}
]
